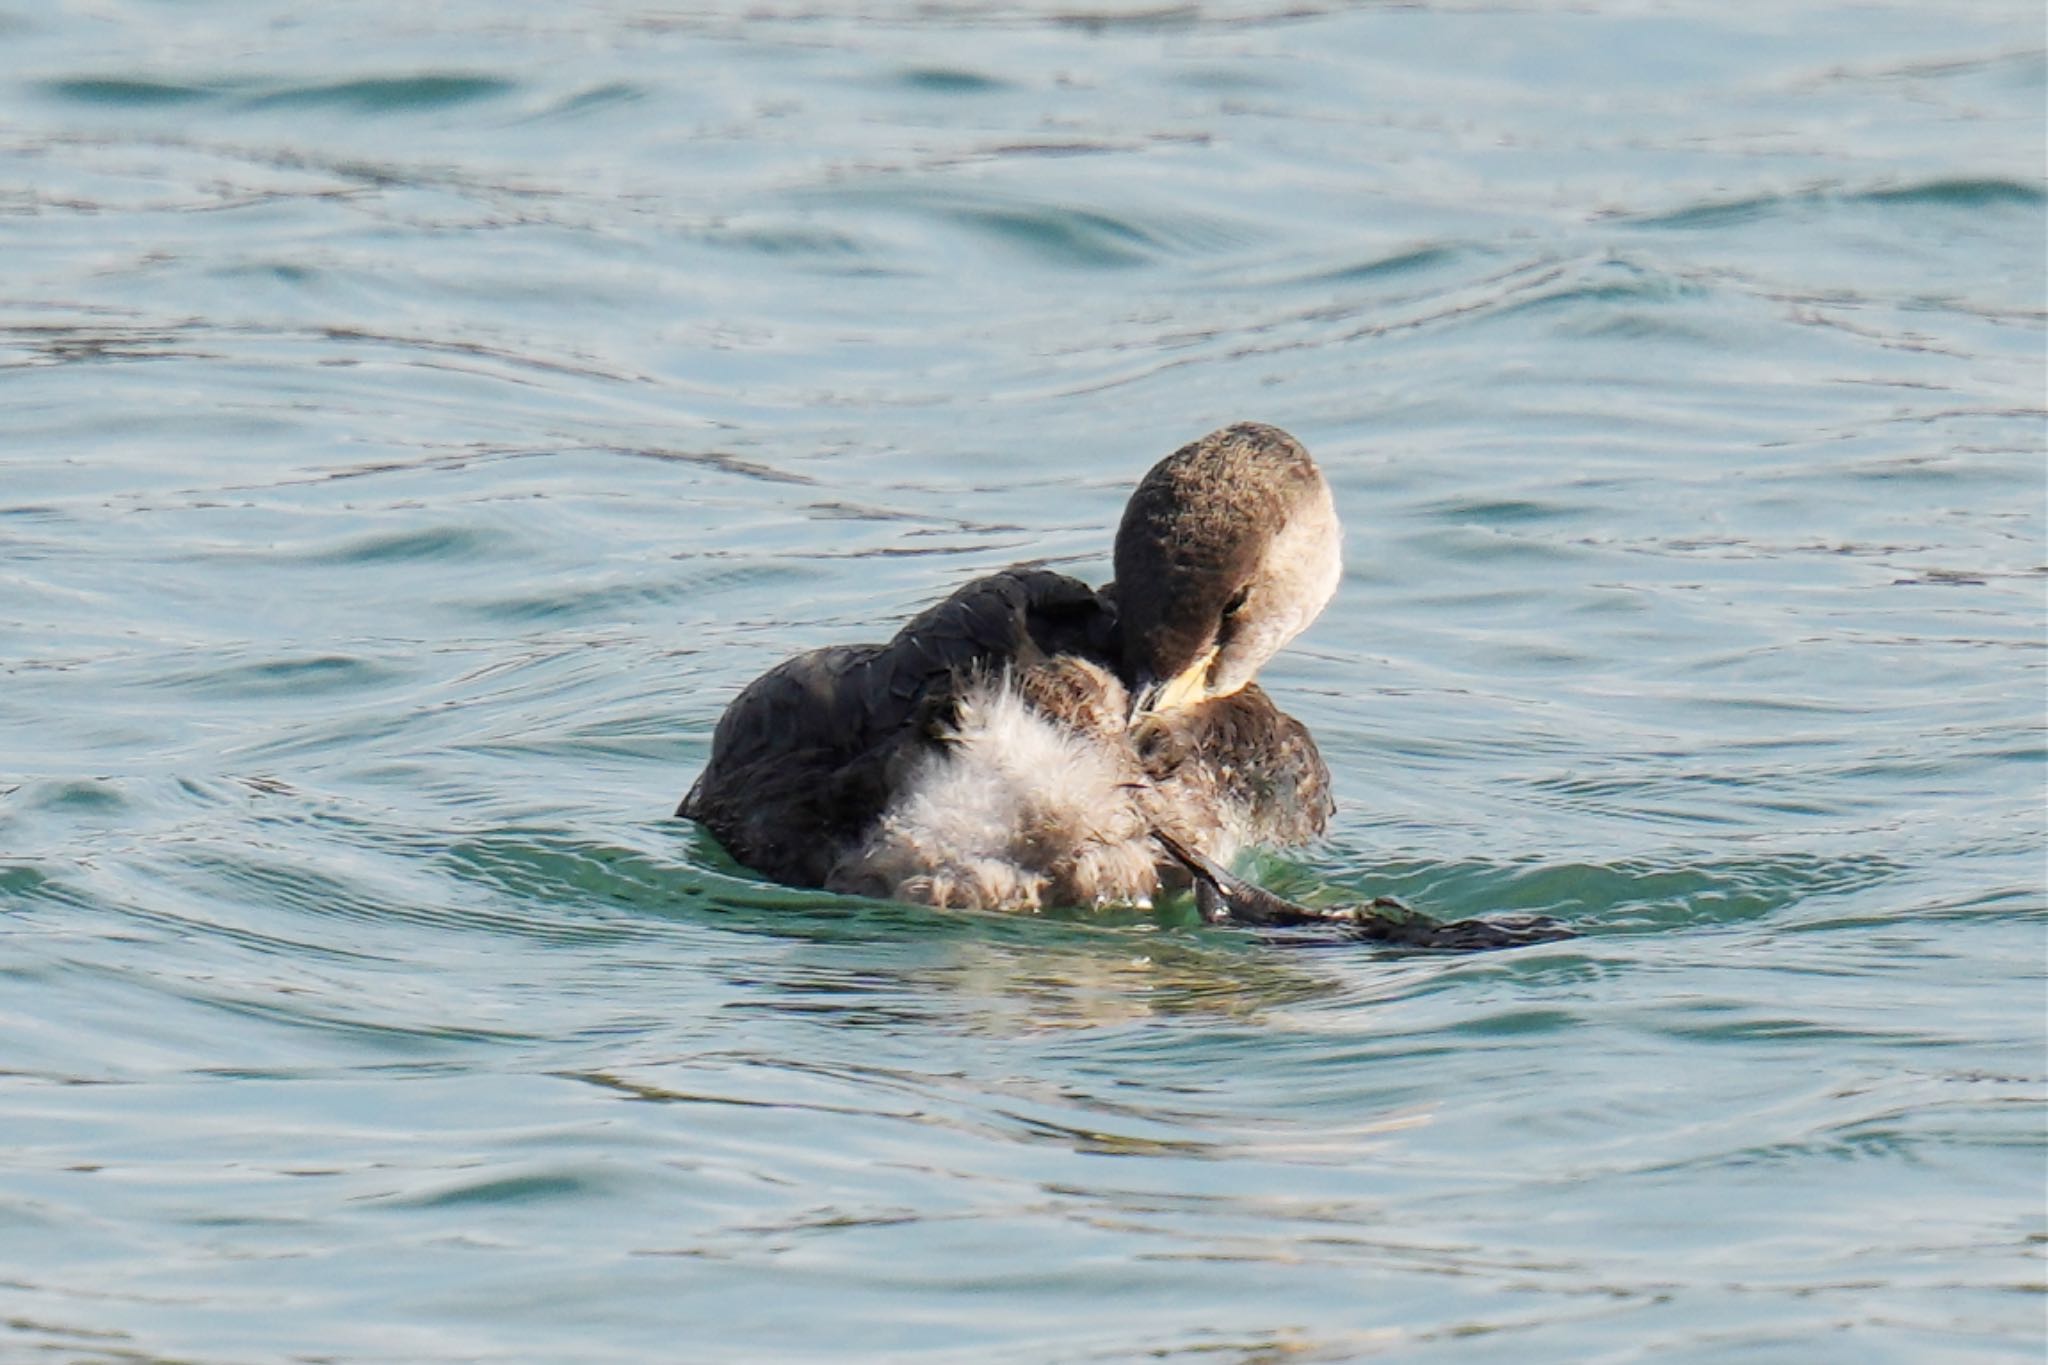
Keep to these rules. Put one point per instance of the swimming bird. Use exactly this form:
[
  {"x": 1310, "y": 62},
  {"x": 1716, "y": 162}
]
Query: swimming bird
[{"x": 1018, "y": 744}]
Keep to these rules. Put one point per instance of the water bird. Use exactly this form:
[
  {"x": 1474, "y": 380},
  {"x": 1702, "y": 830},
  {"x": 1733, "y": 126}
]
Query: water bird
[{"x": 1021, "y": 743}]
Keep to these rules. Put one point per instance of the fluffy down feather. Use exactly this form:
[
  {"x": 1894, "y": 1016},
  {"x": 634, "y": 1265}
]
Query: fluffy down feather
[{"x": 1016, "y": 809}]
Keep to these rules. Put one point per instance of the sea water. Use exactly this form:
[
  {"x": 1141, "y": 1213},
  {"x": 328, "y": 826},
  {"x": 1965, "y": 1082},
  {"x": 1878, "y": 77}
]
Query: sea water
[{"x": 418, "y": 420}]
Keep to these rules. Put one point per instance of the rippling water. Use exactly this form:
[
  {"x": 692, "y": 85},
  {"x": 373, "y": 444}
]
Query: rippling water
[{"x": 417, "y": 420}]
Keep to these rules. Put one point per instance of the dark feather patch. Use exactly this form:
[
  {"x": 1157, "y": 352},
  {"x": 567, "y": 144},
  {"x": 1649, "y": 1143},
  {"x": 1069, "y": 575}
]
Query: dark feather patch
[{"x": 805, "y": 758}]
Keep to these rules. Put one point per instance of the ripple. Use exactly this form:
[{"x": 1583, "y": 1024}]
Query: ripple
[
  {"x": 1962, "y": 193},
  {"x": 1070, "y": 236},
  {"x": 387, "y": 94},
  {"x": 1394, "y": 265},
  {"x": 947, "y": 80},
  {"x": 1073, "y": 237},
  {"x": 434, "y": 543},
  {"x": 1959, "y": 193},
  {"x": 125, "y": 91},
  {"x": 62, "y": 343},
  {"x": 83, "y": 796},
  {"x": 310, "y": 675},
  {"x": 522, "y": 1189},
  {"x": 1629, "y": 896},
  {"x": 364, "y": 95}
]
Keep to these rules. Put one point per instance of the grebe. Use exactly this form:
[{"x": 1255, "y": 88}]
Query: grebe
[{"x": 1018, "y": 744}]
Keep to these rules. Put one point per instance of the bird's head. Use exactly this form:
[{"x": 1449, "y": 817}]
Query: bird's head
[{"x": 1228, "y": 549}]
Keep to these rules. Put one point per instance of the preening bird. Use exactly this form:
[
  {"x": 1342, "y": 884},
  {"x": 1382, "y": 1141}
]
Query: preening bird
[{"x": 1020, "y": 743}]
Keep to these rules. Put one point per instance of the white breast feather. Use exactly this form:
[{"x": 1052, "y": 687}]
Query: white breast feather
[{"x": 1015, "y": 810}]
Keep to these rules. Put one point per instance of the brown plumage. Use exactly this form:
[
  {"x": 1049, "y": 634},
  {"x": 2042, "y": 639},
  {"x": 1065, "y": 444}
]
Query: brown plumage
[{"x": 1016, "y": 744}]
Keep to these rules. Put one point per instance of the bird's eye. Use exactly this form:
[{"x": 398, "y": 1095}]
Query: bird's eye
[{"x": 1236, "y": 602}]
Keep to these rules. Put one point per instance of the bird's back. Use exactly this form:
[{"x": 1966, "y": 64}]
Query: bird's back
[{"x": 807, "y": 757}]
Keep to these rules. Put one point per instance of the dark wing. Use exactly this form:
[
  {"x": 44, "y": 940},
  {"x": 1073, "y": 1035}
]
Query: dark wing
[{"x": 807, "y": 755}]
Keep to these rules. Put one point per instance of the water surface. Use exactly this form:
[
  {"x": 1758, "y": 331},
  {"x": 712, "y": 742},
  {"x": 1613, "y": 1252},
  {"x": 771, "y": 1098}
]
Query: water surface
[{"x": 417, "y": 421}]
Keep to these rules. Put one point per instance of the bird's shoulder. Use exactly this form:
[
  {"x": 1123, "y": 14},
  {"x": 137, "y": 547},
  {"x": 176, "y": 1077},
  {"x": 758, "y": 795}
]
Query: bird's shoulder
[
  {"x": 836, "y": 704},
  {"x": 1013, "y": 618}
]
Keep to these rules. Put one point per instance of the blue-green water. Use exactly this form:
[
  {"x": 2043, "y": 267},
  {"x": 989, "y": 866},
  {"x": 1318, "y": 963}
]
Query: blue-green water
[{"x": 416, "y": 420}]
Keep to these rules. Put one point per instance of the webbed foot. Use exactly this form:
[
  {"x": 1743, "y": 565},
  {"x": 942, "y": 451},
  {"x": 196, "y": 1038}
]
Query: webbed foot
[
  {"x": 1225, "y": 898},
  {"x": 1387, "y": 920}
]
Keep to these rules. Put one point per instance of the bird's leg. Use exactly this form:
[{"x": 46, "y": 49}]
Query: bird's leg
[{"x": 1225, "y": 898}]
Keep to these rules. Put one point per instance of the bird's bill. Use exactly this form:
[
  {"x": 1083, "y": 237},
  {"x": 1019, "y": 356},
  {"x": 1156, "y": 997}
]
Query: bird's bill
[{"x": 1185, "y": 688}]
